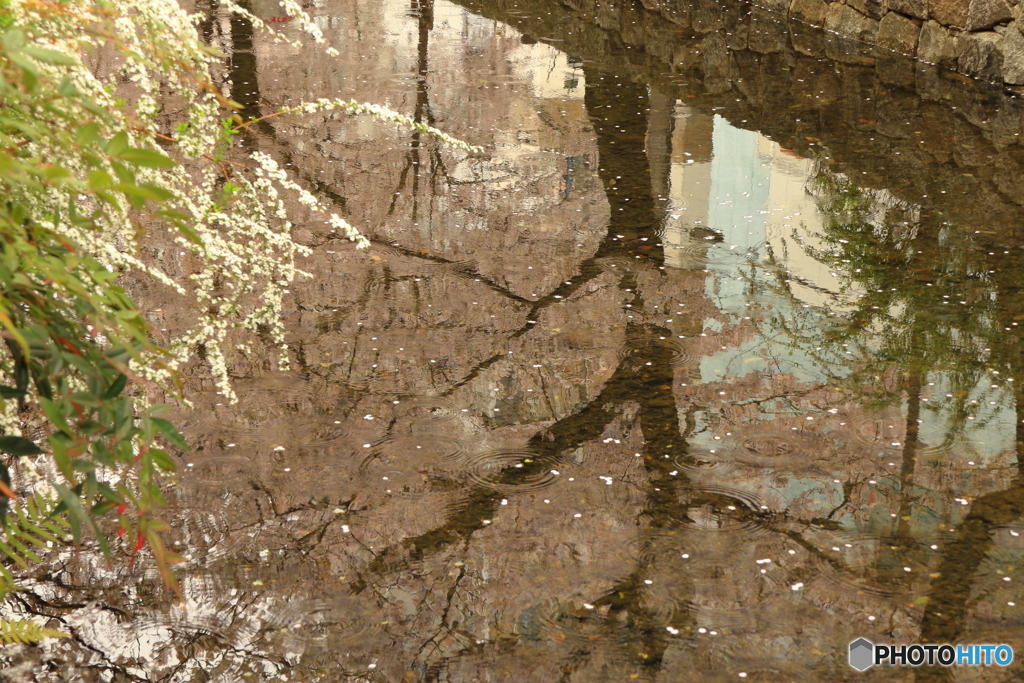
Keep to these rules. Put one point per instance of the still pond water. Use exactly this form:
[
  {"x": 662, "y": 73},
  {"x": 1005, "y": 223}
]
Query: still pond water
[{"x": 687, "y": 377}]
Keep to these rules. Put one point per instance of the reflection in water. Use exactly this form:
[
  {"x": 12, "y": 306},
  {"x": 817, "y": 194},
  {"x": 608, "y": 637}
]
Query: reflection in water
[{"x": 638, "y": 395}]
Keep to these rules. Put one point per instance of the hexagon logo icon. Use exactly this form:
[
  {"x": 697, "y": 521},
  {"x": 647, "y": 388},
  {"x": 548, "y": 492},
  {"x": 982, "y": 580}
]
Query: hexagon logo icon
[{"x": 862, "y": 654}]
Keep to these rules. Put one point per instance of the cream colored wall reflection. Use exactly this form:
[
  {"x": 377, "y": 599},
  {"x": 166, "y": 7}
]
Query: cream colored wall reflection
[{"x": 751, "y": 192}]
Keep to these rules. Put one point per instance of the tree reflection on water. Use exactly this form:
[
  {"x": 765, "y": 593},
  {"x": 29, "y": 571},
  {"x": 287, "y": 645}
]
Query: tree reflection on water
[{"x": 638, "y": 395}]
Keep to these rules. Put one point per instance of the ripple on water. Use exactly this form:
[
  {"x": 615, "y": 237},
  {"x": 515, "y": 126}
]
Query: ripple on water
[
  {"x": 211, "y": 535},
  {"x": 831, "y": 573},
  {"x": 705, "y": 463},
  {"x": 418, "y": 412},
  {"x": 664, "y": 599},
  {"x": 419, "y": 450},
  {"x": 463, "y": 269},
  {"x": 766, "y": 668},
  {"x": 636, "y": 346},
  {"x": 506, "y": 471},
  {"x": 940, "y": 451},
  {"x": 876, "y": 431},
  {"x": 615, "y": 264},
  {"x": 214, "y": 470},
  {"x": 403, "y": 483},
  {"x": 734, "y": 619},
  {"x": 776, "y": 449},
  {"x": 724, "y": 509},
  {"x": 279, "y": 388},
  {"x": 340, "y": 620},
  {"x": 213, "y": 610},
  {"x": 305, "y": 431},
  {"x": 550, "y": 621},
  {"x": 692, "y": 254},
  {"x": 374, "y": 279}
]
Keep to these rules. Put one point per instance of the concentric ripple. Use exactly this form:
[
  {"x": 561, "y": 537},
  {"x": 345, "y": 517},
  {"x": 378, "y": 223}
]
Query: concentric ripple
[
  {"x": 420, "y": 410},
  {"x": 636, "y": 346},
  {"x": 616, "y": 264},
  {"x": 777, "y": 449},
  {"x": 725, "y": 509},
  {"x": 506, "y": 471}
]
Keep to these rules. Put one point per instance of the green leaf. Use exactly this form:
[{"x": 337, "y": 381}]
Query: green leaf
[
  {"x": 170, "y": 432},
  {"x": 16, "y": 445},
  {"x": 14, "y": 38},
  {"x": 116, "y": 387},
  {"x": 162, "y": 460},
  {"x": 118, "y": 144},
  {"x": 55, "y": 414},
  {"x": 103, "y": 507},
  {"x": 47, "y": 56},
  {"x": 87, "y": 134},
  {"x": 55, "y": 173},
  {"x": 147, "y": 158},
  {"x": 108, "y": 492},
  {"x": 61, "y": 456},
  {"x": 67, "y": 88},
  {"x": 29, "y": 72},
  {"x": 99, "y": 179},
  {"x": 143, "y": 192},
  {"x": 76, "y": 513},
  {"x": 10, "y": 392},
  {"x": 180, "y": 221},
  {"x": 25, "y": 632}
]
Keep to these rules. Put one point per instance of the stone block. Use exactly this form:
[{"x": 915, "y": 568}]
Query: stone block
[
  {"x": 913, "y": 8},
  {"x": 893, "y": 69},
  {"x": 848, "y": 51},
  {"x": 716, "y": 63},
  {"x": 1009, "y": 177},
  {"x": 931, "y": 85},
  {"x": 982, "y": 14},
  {"x": 1013, "y": 55},
  {"x": 970, "y": 15},
  {"x": 809, "y": 11},
  {"x": 737, "y": 38},
  {"x": 807, "y": 41},
  {"x": 899, "y": 34},
  {"x": 777, "y": 6},
  {"x": 936, "y": 45},
  {"x": 980, "y": 55},
  {"x": 949, "y": 12},
  {"x": 870, "y": 8},
  {"x": 848, "y": 22},
  {"x": 1007, "y": 123},
  {"x": 707, "y": 17},
  {"x": 896, "y": 110},
  {"x": 677, "y": 11},
  {"x": 768, "y": 33}
]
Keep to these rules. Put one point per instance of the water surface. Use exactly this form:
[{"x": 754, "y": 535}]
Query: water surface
[{"x": 679, "y": 380}]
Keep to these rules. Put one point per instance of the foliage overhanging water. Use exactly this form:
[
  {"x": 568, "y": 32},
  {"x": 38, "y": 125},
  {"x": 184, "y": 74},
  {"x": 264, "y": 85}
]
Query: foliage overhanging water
[{"x": 689, "y": 376}]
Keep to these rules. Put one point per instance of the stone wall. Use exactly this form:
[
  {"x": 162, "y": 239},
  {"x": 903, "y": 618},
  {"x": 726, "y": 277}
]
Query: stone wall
[
  {"x": 979, "y": 38},
  {"x": 930, "y": 136}
]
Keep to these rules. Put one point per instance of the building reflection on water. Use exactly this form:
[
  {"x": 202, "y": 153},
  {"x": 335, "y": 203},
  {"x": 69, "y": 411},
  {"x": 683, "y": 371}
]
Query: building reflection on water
[{"x": 615, "y": 400}]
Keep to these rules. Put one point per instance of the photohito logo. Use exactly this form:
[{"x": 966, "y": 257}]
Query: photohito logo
[{"x": 864, "y": 654}]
